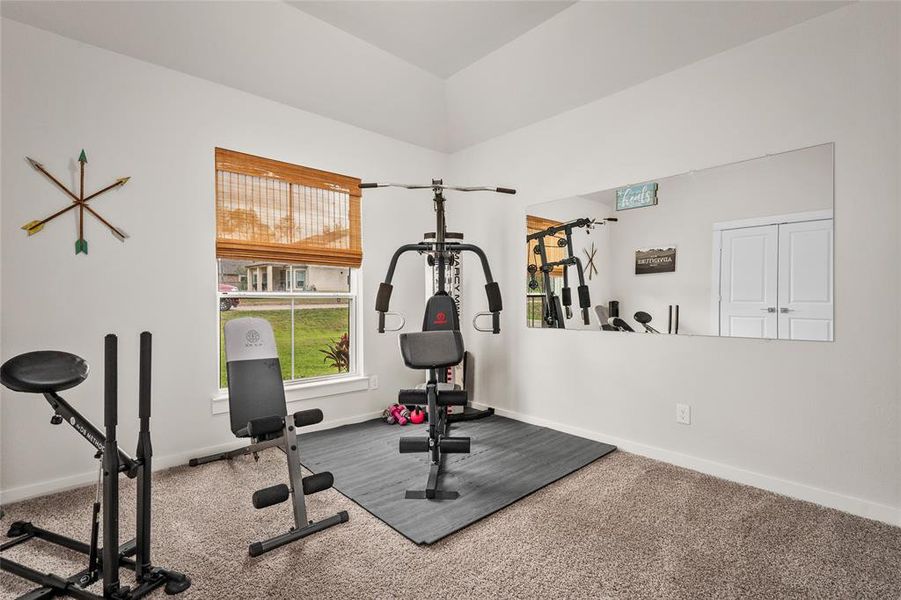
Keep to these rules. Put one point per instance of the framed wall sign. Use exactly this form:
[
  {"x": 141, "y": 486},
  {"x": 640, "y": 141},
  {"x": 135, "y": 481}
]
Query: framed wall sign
[
  {"x": 636, "y": 196},
  {"x": 655, "y": 260}
]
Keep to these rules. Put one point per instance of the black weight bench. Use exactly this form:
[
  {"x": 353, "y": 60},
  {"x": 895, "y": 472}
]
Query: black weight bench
[
  {"x": 256, "y": 401},
  {"x": 433, "y": 350}
]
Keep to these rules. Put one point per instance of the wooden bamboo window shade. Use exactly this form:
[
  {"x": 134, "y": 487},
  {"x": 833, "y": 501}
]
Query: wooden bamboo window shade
[
  {"x": 271, "y": 210},
  {"x": 535, "y": 224}
]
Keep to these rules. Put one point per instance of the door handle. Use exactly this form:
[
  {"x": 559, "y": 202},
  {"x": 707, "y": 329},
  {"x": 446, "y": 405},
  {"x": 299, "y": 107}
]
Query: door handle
[
  {"x": 785, "y": 310},
  {"x": 769, "y": 309}
]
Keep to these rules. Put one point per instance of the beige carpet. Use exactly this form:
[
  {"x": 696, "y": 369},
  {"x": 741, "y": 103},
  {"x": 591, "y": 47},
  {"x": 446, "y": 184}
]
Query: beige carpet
[{"x": 623, "y": 527}]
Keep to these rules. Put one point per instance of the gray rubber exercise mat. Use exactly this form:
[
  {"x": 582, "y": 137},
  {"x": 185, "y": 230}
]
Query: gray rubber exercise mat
[{"x": 508, "y": 460}]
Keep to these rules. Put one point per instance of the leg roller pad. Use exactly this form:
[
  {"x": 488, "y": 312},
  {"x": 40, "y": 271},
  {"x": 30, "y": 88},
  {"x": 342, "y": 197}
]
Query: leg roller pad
[
  {"x": 317, "y": 483},
  {"x": 453, "y": 398},
  {"x": 303, "y": 418},
  {"x": 270, "y": 495},
  {"x": 455, "y": 445},
  {"x": 414, "y": 444},
  {"x": 413, "y": 396}
]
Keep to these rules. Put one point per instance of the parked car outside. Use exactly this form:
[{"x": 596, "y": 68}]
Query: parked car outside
[{"x": 227, "y": 303}]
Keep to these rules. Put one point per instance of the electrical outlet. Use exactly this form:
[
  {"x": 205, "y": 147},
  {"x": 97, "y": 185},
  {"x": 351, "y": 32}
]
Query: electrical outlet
[
  {"x": 373, "y": 382},
  {"x": 683, "y": 414}
]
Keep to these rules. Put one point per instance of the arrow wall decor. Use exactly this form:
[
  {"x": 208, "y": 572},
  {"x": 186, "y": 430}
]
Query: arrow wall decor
[
  {"x": 79, "y": 201},
  {"x": 589, "y": 265}
]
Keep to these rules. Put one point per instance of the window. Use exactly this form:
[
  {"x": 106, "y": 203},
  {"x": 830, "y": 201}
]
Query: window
[
  {"x": 552, "y": 250},
  {"x": 535, "y": 298},
  {"x": 288, "y": 250},
  {"x": 300, "y": 279}
]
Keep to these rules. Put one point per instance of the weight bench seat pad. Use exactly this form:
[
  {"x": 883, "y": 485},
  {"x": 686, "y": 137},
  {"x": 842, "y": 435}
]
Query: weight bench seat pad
[
  {"x": 43, "y": 371},
  {"x": 255, "y": 387},
  {"x": 431, "y": 349}
]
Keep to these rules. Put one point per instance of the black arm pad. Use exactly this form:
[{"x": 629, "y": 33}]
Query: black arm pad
[
  {"x": 383, "y": 298},
  {"x": 584, "y": 298},
  {"x": 264, "y": 425},
  {"x": 495, "y": 304},
  {"x": 506, "y": 190},
  {"x": 566, "y": 295},
  {"x": 303, "y": 418}
]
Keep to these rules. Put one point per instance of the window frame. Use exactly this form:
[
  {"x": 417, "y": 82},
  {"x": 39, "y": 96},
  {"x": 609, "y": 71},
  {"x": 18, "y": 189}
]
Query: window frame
[
  {"x": 304, "y": 251},
  {"x": 355, "y": 319}
]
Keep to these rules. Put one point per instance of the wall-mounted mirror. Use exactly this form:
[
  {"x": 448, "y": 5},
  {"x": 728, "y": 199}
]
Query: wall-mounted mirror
[{"x": 739, "y": 250}]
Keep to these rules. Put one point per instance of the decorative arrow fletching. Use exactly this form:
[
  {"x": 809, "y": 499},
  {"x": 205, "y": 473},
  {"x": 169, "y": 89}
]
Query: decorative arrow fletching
[
  {"x": 119, "y": 234},
  {"x": 82, "y": 158},
  {"x": 81, "y": 246},
  {"x": 32, "y": 227},
  {"x": 123, "y": 180},
  {"x": 34, "y": 163}
]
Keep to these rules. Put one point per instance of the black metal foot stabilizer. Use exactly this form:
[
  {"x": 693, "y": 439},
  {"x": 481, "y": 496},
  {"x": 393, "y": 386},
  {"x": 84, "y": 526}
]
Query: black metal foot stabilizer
[
  {"x": 299, "y": 487},
  {"x": 437, "y": 443},
  {"x": 438, "y": 448},
  {"x": 254, "y": 449}
]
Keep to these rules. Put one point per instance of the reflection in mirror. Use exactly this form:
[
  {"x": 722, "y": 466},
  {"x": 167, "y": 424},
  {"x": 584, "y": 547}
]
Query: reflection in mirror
[{"x": 740, "y": 250}]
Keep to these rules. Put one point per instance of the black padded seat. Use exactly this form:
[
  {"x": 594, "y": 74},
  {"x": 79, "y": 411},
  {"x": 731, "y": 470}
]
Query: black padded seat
[
  {"x": 43, "y": 371},
  {"x": 431, "y": 349}
]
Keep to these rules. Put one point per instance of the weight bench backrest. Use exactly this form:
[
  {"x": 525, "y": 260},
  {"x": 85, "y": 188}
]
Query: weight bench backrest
[
  {"x": 440, "y": 314},
  {"x": 255, "y": 387}
]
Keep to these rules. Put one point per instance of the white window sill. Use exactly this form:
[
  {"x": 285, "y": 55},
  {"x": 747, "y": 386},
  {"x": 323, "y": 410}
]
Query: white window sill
[{"x": 308, "y": 390}]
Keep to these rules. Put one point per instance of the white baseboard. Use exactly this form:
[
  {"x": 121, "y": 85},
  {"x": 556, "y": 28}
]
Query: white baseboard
[
  {"x": 849, "y": 504},
  {"x": 160, "y": 463}
]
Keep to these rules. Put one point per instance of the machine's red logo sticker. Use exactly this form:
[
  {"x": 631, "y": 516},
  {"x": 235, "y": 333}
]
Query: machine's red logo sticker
[{"x": 440, "y": 319}]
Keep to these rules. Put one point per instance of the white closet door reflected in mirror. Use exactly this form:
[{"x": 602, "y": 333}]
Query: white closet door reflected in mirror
[{"x": 775, "y": 280}]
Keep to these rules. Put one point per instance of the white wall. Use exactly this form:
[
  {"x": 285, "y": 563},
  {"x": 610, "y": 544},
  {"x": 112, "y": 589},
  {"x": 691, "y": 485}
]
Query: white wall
[
  {"x": 898, "y": 191},
  {"x": 159, "y": 127},
  {"x": 818, "y": 421},
  {"x": 593, "y": 49}
]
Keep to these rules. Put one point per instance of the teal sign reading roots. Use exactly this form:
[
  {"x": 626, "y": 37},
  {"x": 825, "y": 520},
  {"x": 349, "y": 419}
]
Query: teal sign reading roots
[{"x": 636, "y": 196}]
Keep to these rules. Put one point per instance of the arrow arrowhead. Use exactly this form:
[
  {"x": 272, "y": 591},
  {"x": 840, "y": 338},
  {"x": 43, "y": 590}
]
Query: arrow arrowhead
[
  {"x": 32, "y": 227},
  {"x": 123, "y": 180},
  {"x": 119, "y": 234},
  {"x": 82, "y": 158},
  {"x": 34, "y": 163},
  {"x": 81, "y": 246}
]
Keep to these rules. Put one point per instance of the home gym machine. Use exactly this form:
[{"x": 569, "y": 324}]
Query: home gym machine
[
  {"x": 48, "y": 373},
  {"x": 555, "y": 310},
  {"x": 440, "y": 344},
  {"x": 461, "y": 373},
  {"x": 256, "y": 402}
]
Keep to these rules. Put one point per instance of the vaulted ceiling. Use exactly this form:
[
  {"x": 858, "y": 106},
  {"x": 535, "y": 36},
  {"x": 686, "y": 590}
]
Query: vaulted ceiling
[
  {"x": 440, "y": 37},
  {"x": 444, "y": 74}
]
